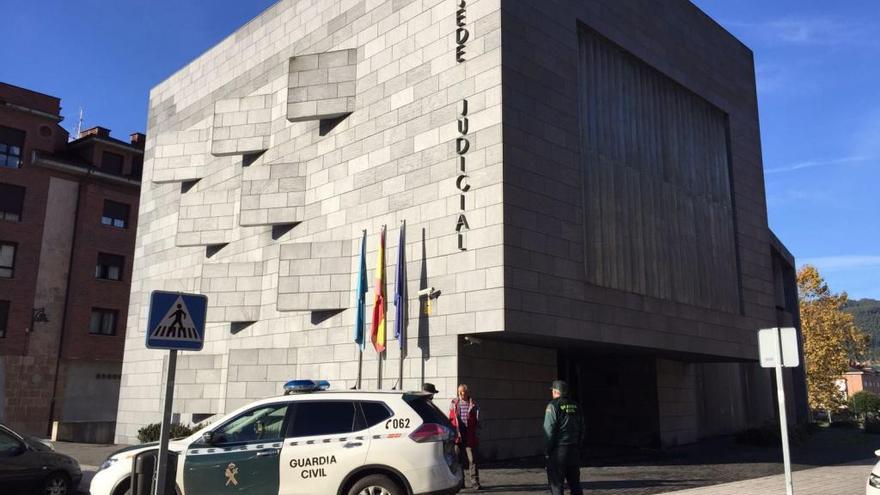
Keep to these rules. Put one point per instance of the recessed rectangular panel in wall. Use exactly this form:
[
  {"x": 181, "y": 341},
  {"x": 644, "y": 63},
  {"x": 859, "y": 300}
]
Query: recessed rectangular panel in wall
[{"x": 658, "y": 207}]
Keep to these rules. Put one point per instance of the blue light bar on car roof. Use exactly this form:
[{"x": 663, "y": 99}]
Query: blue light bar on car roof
[{"x": 303, "y": 386}]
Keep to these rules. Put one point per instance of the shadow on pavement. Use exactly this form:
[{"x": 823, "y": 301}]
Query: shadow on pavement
[
  {"x": 651, "y": 483},
  {"x": 528, "y": 488},
  {"x": 825, "y": 447}
]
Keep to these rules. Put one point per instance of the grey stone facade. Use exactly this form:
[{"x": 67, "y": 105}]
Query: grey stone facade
[{"x": 269, "y": 155}]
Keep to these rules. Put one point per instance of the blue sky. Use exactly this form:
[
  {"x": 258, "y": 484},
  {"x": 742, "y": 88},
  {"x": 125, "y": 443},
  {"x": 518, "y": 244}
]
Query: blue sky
[
  {"x": 818, "y": 66},
  {"x": 818, "y": 69}
]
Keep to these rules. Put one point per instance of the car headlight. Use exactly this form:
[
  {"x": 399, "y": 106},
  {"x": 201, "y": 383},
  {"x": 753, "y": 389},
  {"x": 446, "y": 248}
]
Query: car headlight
[
  {"x": 874, "y": 480},
  {"x": 109, "y": 462}
]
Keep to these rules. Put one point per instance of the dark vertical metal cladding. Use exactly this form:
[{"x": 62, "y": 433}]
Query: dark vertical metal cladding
[{"x": 659, "y": 218}]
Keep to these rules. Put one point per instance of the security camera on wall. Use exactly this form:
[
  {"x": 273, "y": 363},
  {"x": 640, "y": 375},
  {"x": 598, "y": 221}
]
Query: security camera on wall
[
  {"x": 429, "y": 292},
  {"x": 469, "y": 340}
]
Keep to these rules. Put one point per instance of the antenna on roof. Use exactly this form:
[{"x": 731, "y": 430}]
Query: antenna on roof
[{"x": 79, "y": 124}]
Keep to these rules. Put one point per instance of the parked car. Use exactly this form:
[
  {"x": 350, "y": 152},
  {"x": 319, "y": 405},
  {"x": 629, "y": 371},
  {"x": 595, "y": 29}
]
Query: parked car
[
  {"x": 311, "y": 441},
  {"x": 29, "y": 465}
]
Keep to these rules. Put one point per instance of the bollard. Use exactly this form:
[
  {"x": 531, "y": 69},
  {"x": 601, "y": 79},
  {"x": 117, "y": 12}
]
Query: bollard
[
  {"x": 143, "y": 473},
  {"x": 143, "y": 468}
]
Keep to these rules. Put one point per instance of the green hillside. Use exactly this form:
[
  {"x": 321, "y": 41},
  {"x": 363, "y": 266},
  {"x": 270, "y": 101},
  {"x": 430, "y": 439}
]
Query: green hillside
[{"x": 866, "y": 313}]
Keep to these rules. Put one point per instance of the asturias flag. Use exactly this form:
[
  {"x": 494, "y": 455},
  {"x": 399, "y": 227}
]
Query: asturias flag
[
  {"x": 400, "y": 289},
  {"x": 360, "y": 295},
  {"x": 378, "y": 335}
]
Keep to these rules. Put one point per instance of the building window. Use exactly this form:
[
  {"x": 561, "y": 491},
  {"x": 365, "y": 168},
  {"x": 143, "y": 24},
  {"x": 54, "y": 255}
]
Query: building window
[
  {"x": 7, "y": 259},
  {"x": 112, "y": 163},
  {"x": 115, "y": 214},
  {"x": 11, "y": 144},
  {"x": 137, "y": 169},
  {"x": 11, "y": 202},
  {"x": 4, "y": 317},
  {"x": 103, "y": 322},
  {"x": 109, "y": 266}
]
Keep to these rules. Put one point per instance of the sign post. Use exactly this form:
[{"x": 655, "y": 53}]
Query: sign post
[
  {"x": 778, "y": 348},
  {"x": 176, "y": 322}
]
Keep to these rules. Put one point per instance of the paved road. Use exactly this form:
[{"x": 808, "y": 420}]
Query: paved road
[
  {"x": 90, "y": 456},
  {"x": 846, "y": 479},
  {"x": 831, "y": 462}
]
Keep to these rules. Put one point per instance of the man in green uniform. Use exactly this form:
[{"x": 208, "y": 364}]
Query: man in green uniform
[{"x": 563, "y": 435}]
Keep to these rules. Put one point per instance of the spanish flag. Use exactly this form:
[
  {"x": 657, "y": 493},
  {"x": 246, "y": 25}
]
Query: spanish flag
[{"x": 378, "y": 335}]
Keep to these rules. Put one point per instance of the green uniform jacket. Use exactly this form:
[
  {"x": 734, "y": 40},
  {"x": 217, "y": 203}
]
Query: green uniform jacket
[{"x": 563, "y": 428}]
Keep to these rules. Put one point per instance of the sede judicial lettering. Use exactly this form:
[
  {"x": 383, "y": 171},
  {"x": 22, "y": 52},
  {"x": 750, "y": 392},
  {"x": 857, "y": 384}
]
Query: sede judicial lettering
[{"x": 462, "y": 145}]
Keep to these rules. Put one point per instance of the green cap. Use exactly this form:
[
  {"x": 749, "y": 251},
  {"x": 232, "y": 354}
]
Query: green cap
[{"x": 561, "y": 386}]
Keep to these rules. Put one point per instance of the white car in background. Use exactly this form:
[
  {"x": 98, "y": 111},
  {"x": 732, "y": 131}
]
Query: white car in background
[
  {"x": 312, "y": 441},
  {"x": 873, "y": 486}
]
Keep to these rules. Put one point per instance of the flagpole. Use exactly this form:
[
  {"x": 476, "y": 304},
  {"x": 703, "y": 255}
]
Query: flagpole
[
  {"x": 357, "y": 384},
  {"x": 360, "y": 336},
  {"x": 379, "y": 329},
  {"x": 379, "y": 370},
  {"x": 400, "y": 293}
]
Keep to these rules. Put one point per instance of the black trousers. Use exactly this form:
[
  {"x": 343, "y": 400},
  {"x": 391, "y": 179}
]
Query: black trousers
[{"x": 563, "y": 466}]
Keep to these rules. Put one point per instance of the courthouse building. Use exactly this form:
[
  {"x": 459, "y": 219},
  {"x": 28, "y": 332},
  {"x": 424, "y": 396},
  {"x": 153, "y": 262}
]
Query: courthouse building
[{"x": 582, "y": 189}]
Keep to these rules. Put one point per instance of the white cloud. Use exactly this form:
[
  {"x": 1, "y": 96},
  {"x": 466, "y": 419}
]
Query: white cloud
[
  {"x": 843, "y": 262},
  {"x": 815, "y": 31},
  {"x": 849, "y": 160}
]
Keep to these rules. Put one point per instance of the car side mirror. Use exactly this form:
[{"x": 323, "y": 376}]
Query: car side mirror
[
  {"x": 208, "y": 437},
  {"x": 14, "y": 451}
]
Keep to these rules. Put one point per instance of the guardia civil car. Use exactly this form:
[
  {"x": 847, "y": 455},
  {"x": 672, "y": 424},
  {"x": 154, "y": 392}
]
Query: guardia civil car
[{"x": 313, "y": 441}]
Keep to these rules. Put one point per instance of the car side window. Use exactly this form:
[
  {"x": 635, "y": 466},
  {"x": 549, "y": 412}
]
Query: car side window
[
  {"x": 311, "y": 418},
  {"x": 9, "y": 445},
  {"x": 375, "y": 412},
  {"x": 264, "y": 423}
]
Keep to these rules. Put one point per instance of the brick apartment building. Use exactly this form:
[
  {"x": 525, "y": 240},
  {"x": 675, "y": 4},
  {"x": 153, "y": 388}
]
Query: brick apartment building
[
  {"x": 68, "y": 213},
  {"x": 858, "y": 379}
]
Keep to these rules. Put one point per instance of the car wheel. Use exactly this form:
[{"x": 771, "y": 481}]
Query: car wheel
[
  {"x": 57, "y": 484},
  {"x": 375, "y": 484}
]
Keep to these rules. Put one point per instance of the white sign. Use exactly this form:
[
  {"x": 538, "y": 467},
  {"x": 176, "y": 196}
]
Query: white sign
[
  {"x": 769, "y": 340},
  {"x": 779, "y": 348}
]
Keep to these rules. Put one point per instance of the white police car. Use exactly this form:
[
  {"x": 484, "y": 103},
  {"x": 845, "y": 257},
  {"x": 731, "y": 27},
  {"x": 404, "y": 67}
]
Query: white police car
[{"x": 312, "y": 441}]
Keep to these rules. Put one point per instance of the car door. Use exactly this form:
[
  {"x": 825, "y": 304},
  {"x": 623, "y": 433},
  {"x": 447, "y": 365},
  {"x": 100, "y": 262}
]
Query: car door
[
  {"x": 242, "y": 456},
  {"x": 325, "y": 441},
  {"x": 19, "y": 465}
]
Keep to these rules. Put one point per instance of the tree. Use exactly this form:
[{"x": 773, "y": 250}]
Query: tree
[
  {"x": 830, "y": 337},
  {"x": 864, "y": 404}
]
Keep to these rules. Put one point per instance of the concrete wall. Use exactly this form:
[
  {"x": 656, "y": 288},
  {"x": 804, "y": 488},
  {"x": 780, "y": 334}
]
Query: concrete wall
[
  {"x": 677, "y": 402},
  {"x": 210, "y": 200},
  {"x": 511, "y": 382},
  {"x": 90, "y": 391}
]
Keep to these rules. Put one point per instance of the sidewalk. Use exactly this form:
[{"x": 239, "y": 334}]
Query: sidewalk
[
  {"x": 831, "y": 462},
  {"x": 847, "y": 479}
]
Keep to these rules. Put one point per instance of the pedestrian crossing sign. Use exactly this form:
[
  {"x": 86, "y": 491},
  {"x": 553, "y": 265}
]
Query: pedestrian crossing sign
[{"x": 176, "y": 321}]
